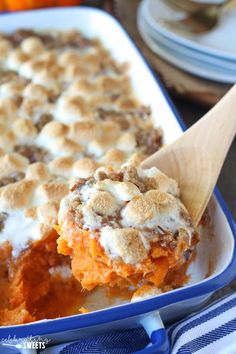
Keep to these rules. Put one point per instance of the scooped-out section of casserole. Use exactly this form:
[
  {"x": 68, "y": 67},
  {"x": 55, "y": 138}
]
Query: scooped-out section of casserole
[{"x": 67, "y": 110}]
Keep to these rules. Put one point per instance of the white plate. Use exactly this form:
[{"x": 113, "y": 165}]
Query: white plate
[
  {"x": 218, "y": 42},
  {"x": 187, "y": 51},
  {"x": 183, "y": 62}
]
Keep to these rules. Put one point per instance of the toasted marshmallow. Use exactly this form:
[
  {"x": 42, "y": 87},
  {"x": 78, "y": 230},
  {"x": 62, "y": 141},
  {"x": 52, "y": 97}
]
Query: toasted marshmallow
[
  {"x": 114, "y": 158},
  {"x": 109, "y": 85},
  {"x": 5, "y": 48},
  {"x": 85, "y": 131},
  {"x": 127, "y": 142},
  {"x": 127, "y": 104},
  {"x": 30, "y": 68},
  {"x": 14, "y": 88},
  {"x": 38, "y": 171},
  {"x": 11, "y": 163},
  {"x": 36, "y": 91},
  {"x": 31, "y": 107},
  {"x": 155, "y": 208},
  {"x": 82, "y": 87},
  {"x": 123, "y": 243},
  {"x": 65, "y": 146},
  {"x": 48, "y": 80},
  {"x": 32, "y": 46},
  {"x": 84, "y": 168},
  {"x": 24, "y": 130},
  {"x": 110, "y": 133},
  {"x": 71, "y": 109},
  {"x": 164, "y": 183},
  {"x": 103, "y": 203},
  {"x": 9, "y": 108},
  {"x": 47, "y": 213},
  {"x": 122, "y": 191},
  {"x": 16, "y": 195},
  {"x": 62, "y": 166},
  {"x": 16, "y": 58},
  {"x": 93, "y": 61},
  {"x": 55, "y": 129},
  {"x": 51, "y": 191},
  {"x": 75, "y": 70},
  {"x": 69, "y": 57},
  {"x": 7, "y": 141}
]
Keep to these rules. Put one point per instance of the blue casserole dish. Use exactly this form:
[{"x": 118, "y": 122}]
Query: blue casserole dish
[{"x": 219, "y": 250}]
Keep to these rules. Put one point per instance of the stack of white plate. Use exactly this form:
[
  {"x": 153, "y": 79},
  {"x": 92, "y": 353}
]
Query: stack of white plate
[{"x": 211, "y": 55}]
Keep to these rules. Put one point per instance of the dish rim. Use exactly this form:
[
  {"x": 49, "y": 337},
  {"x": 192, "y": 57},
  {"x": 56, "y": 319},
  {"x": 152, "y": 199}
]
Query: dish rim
[{"x": 206, "y": 286}]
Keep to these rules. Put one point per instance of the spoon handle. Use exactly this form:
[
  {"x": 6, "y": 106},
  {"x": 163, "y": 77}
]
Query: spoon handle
[{"x": 196, "y": 158}]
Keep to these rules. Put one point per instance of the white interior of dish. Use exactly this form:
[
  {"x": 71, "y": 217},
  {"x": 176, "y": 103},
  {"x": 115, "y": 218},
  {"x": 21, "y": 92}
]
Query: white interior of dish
[{"x": 215, "y": 248}]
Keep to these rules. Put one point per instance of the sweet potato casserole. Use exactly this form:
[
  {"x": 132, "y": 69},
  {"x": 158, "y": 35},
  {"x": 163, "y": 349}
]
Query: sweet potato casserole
[{"x": 68, "y": 114}]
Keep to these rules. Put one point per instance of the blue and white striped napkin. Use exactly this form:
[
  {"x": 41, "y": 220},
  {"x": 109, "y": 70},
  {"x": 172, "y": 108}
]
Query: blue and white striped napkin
[{"x": 209, "y": 331}]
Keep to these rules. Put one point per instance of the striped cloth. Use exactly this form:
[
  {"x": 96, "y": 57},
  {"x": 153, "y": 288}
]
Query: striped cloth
[{"x": 209, "y": 331}]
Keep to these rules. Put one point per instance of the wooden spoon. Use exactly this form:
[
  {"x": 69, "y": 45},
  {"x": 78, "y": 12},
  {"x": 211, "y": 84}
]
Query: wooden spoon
[{"x": 196, "y": 158}]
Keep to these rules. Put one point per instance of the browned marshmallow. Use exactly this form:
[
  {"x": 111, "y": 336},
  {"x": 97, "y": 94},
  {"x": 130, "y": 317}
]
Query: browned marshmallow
[
  {"x": 11, "y": 163},
  {"x": 52, "y": 191},
  {"x": 38, "y": 171},
  {"x": 85, "y": 168},
  {"x": 123, "y": 243},
  {"x": 16, "y": 195}
]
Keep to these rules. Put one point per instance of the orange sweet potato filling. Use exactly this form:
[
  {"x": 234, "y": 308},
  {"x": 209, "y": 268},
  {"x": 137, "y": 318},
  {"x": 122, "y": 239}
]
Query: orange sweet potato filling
[
  {"x": 92, "y": 267},
  {"x": 28, "y": 292}
]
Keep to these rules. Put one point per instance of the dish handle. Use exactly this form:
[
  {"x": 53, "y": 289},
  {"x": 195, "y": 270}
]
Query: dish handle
[{"x": 153, "y": 325}]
